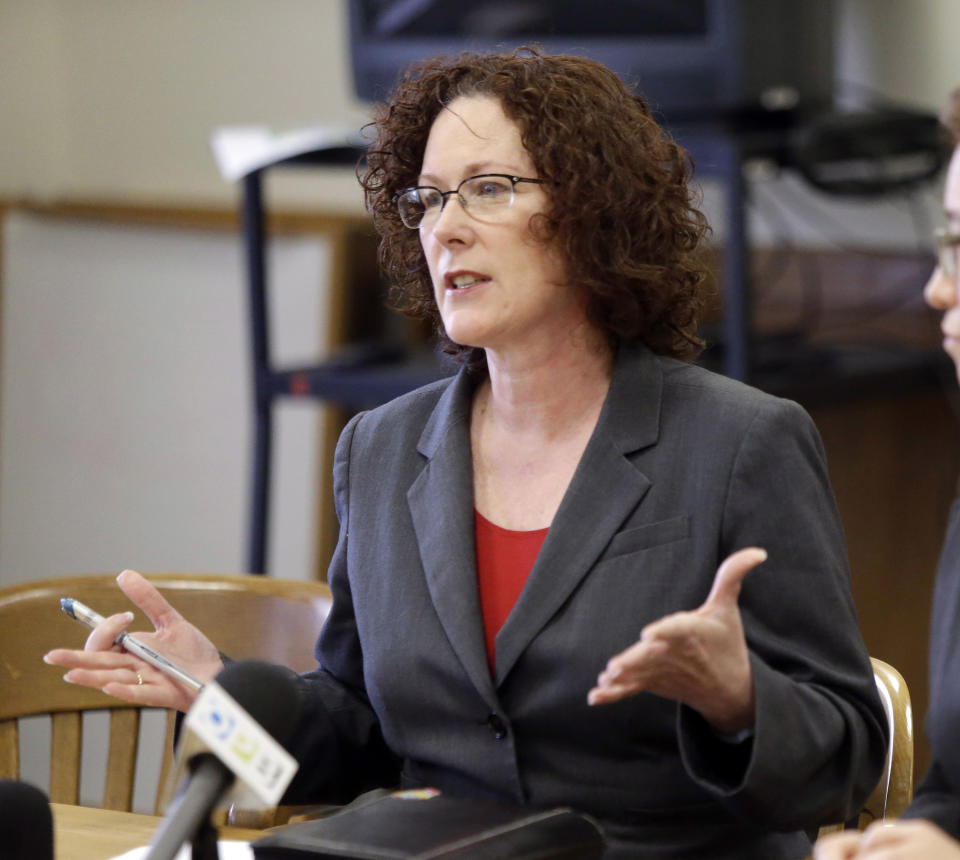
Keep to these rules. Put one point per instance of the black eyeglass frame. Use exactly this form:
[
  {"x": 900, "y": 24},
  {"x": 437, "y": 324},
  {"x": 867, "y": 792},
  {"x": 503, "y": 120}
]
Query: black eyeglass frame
[{"x": 444, "y": 195}]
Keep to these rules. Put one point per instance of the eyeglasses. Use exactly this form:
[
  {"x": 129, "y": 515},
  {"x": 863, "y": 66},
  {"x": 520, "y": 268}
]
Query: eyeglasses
[
  {"x": 490, "y": 195},
  {"x": 947, "y": 243}
]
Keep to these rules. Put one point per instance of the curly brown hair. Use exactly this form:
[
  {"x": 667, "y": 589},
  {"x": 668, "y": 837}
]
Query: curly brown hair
[{"x": 622, "y": 212}]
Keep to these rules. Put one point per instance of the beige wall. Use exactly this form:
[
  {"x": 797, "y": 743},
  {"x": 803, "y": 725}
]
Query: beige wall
[
  {"x": 118, "y": 97},
  {"x": 31, "y": 115},
  {"x": 108, "y": 98},
  {"x": 906, "y": 49}
]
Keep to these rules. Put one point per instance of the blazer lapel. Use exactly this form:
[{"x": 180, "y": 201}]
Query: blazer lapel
[
  {"x": 441, "y": 505},
  {"x": 605, "y": 488}
]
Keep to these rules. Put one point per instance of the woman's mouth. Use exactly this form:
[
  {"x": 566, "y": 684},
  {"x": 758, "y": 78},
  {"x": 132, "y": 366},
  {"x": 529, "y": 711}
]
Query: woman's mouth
[{"x": 464, "y": 280}]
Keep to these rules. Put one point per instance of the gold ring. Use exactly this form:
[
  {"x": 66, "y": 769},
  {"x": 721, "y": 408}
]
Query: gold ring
[{"x": 139, "y": 680}]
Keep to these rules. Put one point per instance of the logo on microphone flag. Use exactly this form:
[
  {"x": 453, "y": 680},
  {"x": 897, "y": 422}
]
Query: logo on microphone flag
[{"x": 241, "y": 743}]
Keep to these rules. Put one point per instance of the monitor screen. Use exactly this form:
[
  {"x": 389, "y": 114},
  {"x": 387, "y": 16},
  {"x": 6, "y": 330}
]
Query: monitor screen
[
  {"x": 689, "y": 58},
  {"x": 533, "y": 19}
]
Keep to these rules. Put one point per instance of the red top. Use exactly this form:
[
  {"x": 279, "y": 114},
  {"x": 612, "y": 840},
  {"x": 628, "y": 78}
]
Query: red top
[{"x": 504, "y": 561}]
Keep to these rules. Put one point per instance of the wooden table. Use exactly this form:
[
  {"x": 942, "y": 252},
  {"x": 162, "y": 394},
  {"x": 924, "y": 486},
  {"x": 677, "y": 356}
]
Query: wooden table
[{"x": 86, "y": 833}]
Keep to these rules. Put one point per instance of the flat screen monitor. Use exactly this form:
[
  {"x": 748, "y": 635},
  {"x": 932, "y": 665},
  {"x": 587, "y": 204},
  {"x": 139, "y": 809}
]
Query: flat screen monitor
[{"x": 690, "y": 58}]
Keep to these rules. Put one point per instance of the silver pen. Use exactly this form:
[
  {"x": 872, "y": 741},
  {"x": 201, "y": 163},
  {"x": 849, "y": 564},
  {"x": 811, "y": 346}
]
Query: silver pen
[{"x": 85, "y": 615}]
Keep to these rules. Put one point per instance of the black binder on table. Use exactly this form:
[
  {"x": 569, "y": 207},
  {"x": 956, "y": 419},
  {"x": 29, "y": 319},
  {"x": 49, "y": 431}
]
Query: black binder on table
[{"x": 425, "y": 824}]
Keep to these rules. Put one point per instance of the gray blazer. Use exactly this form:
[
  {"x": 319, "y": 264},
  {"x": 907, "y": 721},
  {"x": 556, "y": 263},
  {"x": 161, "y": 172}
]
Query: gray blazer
[
  {"x": 938, "y": 795},
  {"x": 684, "y": 467}
]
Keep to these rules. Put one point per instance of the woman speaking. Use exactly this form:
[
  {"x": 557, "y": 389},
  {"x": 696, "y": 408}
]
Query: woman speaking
[{"x": 544, "y": 586}]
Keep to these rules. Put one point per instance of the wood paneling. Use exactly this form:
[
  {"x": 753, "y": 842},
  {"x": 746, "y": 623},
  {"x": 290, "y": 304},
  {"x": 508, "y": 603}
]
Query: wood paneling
[{"x": 894, "y": 464}]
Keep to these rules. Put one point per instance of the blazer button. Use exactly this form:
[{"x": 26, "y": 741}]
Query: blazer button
[{"x": 497, "y": 726}]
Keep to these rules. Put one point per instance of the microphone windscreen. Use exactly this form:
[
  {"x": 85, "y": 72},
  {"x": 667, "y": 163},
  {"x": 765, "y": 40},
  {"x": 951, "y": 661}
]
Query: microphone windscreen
[
  {"x": 268, "y": 692},
  {"x": 26, "y": 823}
]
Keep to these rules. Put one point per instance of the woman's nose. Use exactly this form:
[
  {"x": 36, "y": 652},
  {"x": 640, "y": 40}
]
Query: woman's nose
[
  {"x": 451, "y": 221},
  {"x": 941, "y": 290}
]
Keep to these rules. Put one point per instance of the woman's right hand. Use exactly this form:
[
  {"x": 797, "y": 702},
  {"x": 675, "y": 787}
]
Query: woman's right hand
[{"x": 109, "y": 668}]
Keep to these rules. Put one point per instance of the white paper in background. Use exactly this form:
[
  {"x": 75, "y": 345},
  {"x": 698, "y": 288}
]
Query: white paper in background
[
  {"x": 239, "y": 150},
  {"x": 228, "y": 850}
]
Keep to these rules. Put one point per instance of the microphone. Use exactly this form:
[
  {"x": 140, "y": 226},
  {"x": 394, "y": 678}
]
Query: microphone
[
  {"x": 233, "y": 734},
  {"x": 26, "y": 823}
]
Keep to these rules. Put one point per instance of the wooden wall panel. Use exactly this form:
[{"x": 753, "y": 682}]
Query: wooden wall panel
[{"x": 894, "y": 463}]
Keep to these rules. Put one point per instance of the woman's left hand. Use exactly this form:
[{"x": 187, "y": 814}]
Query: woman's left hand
[{"x": 699, "y": 658}]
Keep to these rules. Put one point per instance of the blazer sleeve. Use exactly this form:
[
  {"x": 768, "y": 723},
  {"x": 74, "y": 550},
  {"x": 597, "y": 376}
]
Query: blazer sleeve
[
  {"x": 937, "y": 800},
  {"x": 338, "y": 740},
  {"x": 819, "y": 739}
]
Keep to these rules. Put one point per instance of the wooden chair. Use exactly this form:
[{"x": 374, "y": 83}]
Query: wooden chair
[
  {"x": 247, "y": 617},
  {"x": 894, "y": 791}
]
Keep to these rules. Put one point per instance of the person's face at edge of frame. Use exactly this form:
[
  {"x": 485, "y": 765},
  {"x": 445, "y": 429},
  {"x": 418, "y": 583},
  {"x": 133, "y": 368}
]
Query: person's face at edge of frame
[
  {"x": 941, "y": 290},
  {"x": 516, "y": 298}
]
